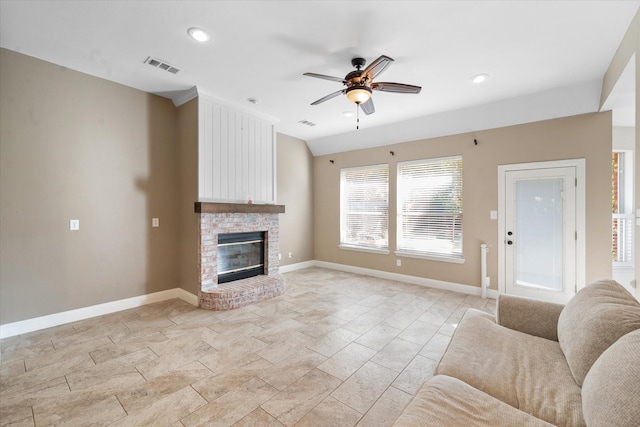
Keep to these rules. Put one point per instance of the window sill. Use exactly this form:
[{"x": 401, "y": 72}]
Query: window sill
[
  {"x": 363, "y": 249},
  {"x": 429, "y": 257}
]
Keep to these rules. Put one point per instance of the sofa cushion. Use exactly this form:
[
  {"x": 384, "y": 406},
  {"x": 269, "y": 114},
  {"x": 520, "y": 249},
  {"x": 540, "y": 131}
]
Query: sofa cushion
[
  {"x": 527, "y": 372},
  {"x": 446, "y": 401},
  {"x": 594, "y": 319},
  {"x": 611, "y": 389}
]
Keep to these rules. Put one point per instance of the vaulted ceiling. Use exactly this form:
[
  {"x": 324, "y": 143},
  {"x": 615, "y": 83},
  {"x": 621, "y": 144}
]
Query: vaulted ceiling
[{"x": 544, "y": 59}]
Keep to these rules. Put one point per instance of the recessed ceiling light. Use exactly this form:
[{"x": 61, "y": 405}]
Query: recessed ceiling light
[
  {"x": 479, "y": 78},
  {"x": 198, "y": 34}
]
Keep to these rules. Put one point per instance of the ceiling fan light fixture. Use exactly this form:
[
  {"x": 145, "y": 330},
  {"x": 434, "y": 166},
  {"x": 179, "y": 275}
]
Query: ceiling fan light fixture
[
  {"x": 358, "y": 94},
  {"x": 199, "y": 34}
]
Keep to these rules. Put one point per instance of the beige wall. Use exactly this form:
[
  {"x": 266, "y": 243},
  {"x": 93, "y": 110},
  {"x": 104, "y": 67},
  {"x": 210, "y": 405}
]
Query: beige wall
[
  {"x": 295, "y": 191},
  {"x": 77, "y": 147},
  {"x": 189, "y": 225},
  {"x": 586, "y": 136}
]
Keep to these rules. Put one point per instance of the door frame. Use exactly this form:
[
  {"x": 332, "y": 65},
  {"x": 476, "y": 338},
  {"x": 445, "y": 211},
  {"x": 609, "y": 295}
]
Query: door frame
[{"x": 580, "y": 165}]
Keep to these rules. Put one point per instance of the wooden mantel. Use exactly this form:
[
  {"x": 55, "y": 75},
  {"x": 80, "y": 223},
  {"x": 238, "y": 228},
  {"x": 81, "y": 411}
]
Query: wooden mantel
[{"x": 207, "y": 207}]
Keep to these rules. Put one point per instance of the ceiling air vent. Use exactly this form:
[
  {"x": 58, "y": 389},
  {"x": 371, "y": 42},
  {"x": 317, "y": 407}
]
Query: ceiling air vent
[
  {"x": 307, "y": 122},
  {"x": 162, "y": 65}
]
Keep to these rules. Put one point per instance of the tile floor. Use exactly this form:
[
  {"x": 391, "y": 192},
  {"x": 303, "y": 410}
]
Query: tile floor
[{"x": 337, "y": 349}]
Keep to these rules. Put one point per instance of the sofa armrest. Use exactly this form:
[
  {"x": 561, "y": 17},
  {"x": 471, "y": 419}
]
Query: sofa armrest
[{"x": 533, "y": 317}]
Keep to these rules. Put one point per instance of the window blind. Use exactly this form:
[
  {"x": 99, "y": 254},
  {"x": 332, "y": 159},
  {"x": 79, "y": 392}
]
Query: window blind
[
  {"x": 622, "y": 210},
  {"x": 430, "y": 207},
  {"x": 364, "y": 209}
]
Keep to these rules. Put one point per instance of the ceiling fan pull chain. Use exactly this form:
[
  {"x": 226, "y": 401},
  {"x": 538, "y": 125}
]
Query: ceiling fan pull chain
[{"x": 357, "y": 116}]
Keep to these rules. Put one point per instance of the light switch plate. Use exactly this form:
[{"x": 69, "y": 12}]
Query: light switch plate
[
  {"x": 493, "y": 214},
  {"x": 155, "y": 222},
  {"x": 74, "y": 224}
]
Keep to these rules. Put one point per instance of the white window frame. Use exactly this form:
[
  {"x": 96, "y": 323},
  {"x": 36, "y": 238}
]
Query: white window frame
[
  {"x": 626, "y": 209},
  {"x": 345, "y": 242},
  {"x": 403, "y": 249}
]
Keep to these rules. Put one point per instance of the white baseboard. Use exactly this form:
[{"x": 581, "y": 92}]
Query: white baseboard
[
  {"x": 298, "y": 266},
  {"x": 43, "y": 322},
  {"x": 430, "y": 283}
]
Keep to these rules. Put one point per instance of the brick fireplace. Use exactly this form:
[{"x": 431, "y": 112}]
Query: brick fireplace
[{"x": 225, "y": 218}]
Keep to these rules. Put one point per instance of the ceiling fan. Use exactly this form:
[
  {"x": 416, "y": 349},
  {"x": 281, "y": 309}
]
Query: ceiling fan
[{"x": 359, "y": 83}]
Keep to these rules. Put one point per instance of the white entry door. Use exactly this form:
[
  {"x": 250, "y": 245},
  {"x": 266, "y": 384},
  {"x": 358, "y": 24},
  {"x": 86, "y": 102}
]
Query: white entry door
[{"x": 540, "y": 233}]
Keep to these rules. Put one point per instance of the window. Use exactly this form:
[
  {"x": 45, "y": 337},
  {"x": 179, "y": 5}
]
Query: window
[
  {"x": 430, "y": 208},
  {"x": 622, "y": 226},
  {"x": 364, "y": 208}
]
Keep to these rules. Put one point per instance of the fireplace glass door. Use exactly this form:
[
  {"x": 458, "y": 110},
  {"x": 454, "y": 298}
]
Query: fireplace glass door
[{"x": 240, "y": 255}]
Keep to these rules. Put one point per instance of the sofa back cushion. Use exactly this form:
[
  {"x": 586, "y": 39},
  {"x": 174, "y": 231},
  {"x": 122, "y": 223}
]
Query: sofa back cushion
[
  {"x": 593, "y": 320},
  {"x": 611, "y": 389}
]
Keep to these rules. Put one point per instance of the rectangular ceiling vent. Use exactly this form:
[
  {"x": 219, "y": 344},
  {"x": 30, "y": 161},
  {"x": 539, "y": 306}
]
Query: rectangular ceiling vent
[
  {"x": 307, "y": 122},
  {"x": 162, "y": 65}
]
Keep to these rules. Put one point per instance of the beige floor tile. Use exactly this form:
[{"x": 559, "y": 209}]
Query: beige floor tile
[
  {"x": 347, "y": 361},
  {"x": 146, "y": 393},
  {"x": 233, "y": 376},
  {"x": 17, "y": 416},
  {"x": 51, "y": 390},
  {"x": 387, "y": 409},
  {"x": 415, "y": 374},
  {"x": 291, "y": 404},
  {"x": 419, "y": 332},
  {"x": 232, "y": 406},
  {"x": 435, "y": 348},
  {"x": 280, "y": 330},
  {"x": 166, "y": 411},
  {"x": 330, "y": 413},
  {"x": 333, "y": 341},
  {"x": 364, "y": 323},
  {"x": 232, "y": 353},
  {"x": 11, "y": 368},
  {"x": 78, "y": 410},
  {"x": 63, "y": 353},
  {"x": 291, "y": 369},
  {"x": 46, "y": 373},
  {"x": 114, "y": 375},
  {"x": 279, "y": 351},
  {"x": 364, "y": 387},
  {"x": 378, "y": 337},
  {"x": 397, "y": 354},
  {"x": 258, "y": 418}
]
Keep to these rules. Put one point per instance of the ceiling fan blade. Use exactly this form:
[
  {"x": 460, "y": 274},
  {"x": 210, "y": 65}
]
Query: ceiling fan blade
[
  {"x": 328, "y": 97},
  {"x": 395, "y": 87},
  {"x": 376, "y": 67},
  {"x": 368, "y": 107},
  {"x": 325, "y": 77}
]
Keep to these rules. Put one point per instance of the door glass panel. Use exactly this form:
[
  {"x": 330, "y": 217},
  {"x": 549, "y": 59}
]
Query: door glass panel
[{"x": 538, "y": 234}]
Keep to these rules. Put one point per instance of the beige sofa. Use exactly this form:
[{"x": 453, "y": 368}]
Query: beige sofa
[{"x": 539, "y": 364}]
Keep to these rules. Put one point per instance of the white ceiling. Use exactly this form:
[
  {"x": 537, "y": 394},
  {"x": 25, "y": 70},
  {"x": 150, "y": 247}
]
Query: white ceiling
[{"x": 545, "y": 58}]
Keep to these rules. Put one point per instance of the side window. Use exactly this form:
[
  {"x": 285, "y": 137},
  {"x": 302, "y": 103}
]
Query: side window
[
  {"x": 364, "y": 207},
  {"x": 622, "y": 210},
  {"x": 430, "y": 208}
]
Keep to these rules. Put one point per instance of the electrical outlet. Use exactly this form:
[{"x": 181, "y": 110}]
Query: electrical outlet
[
  {"x": 74, "y": 224},
  {"x": 290, "y": 255},
  {"x": 155, "y": 222},
  {"x": 279, "y": 256},
  {"x": 399, "y": 262}
]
